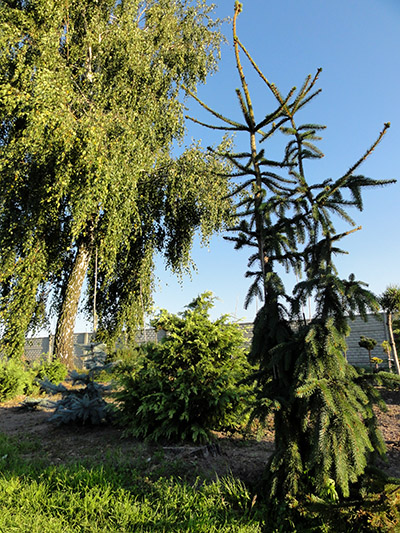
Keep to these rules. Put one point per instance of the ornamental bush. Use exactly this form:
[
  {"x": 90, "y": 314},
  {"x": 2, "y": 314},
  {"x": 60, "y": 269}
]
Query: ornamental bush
[
  {"x": 82, "y": 403},
  {"x": 55, "y": 371},
  {"x": 18, "y": 378},
  {"x": 15, "y": 380},
  {"x": 191, "y": 382}
]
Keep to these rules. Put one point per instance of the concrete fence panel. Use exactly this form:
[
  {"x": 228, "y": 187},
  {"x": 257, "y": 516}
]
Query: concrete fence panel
[{"x": 375, "y": 327}]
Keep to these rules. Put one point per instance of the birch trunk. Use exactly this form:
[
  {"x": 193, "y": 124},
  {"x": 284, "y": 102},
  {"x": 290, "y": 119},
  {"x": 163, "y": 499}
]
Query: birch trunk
[
  {"x": 64, "y": 337},
  {"x": 391, "y": 340}
]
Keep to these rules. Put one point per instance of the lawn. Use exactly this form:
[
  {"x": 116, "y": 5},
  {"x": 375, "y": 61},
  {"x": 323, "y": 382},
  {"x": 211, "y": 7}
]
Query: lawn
[{"x": 72, "y": 479}]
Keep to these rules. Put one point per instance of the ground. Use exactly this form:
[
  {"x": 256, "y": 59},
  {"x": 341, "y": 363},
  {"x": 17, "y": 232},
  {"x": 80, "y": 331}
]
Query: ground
[{"x": 244, "y": 456}]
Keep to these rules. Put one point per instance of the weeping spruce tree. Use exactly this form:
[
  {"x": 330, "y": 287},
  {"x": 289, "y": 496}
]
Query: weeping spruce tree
[
  {"x": 89, "y": 108},
  {"x": 325, "y": 428}
]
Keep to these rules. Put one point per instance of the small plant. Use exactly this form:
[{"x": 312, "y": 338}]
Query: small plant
[
  {"x": 188, "y": 384},
  {"x": 55, "y": 371},
  {"x": 18, "y": 378},
  {"x": 369, "y": 344},
  {"x": 83, "y": 403},
  {"x": 376, "y": 361}
]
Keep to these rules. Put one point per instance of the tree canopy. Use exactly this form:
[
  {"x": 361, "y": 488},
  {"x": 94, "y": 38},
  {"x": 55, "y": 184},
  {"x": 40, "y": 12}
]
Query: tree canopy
[
  {"x": 89, "y": 110},
  {"x": 389, "y": 300}
]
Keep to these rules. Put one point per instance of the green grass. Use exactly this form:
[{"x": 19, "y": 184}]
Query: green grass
[
  {"x": 128, "y": 492},
  {"x": 38, "y": 498}
]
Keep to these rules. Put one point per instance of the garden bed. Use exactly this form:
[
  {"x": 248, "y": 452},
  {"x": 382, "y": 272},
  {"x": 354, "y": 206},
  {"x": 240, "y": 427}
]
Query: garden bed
[{"x": 242, "y": 455}]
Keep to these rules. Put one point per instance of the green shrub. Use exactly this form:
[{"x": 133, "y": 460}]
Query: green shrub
[
  {"x": 190, "y": 383},
  {"x": 15, "y": 379},
  {"x": 126, "y": 359},
  {"x": 55, "y": 371},
  {"x": 18, "y": 378}
]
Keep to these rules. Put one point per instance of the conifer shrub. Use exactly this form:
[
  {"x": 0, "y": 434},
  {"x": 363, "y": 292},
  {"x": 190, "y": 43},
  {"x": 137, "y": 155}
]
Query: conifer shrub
[
  {"x": 55, "y": 371},
  {"x": 18, "y": 378},
  {"x": 125, "y": 359},
  {"x": 191, "y": 382},
  {"x": 83, "y": 403},
  {"x": 15, "y": 379}
]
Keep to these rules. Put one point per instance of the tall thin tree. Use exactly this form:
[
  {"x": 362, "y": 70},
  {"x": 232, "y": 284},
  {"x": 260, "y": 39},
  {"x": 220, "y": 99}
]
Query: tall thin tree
[
  {"x": 390, "y": 303},
  {"x": 325, "y": 428}
]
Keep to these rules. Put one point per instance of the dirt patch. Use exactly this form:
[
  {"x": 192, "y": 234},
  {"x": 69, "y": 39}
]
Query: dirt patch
[
  {"x": 243, "y": 456},
  {"x": 389, "y": 423}
]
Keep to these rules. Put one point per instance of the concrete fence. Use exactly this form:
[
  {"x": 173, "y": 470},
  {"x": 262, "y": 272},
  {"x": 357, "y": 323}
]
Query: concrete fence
[
  {"x": 39, "y": 347},
  {"x": 375, "y": 328}
]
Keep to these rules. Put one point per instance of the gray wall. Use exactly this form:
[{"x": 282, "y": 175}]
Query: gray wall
[
  {"x": 375, "y": 327},
  {"x": 38, "y": 347}
]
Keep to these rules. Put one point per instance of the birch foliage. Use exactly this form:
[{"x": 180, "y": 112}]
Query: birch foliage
[{"x": 90, "y": 107}]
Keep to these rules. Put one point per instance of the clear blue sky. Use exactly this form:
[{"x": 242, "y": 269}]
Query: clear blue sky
[{"x": 357, "y": 44}]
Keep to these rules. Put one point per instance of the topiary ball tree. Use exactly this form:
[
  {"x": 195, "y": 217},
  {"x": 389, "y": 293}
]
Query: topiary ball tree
[{"x": 369, "y": 344}]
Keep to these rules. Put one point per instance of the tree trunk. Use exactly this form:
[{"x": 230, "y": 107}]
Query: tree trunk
[
  {"x": 64, "y": 338},
  {"x": 391, "y": 340}
]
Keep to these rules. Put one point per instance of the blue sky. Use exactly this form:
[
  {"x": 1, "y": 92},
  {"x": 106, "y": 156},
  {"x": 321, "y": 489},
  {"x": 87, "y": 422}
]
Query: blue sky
[{"x": 357, "y": 43}]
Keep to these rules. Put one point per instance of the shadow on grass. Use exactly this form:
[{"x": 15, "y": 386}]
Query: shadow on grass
[
  {"x": 109, "y": 485},
  {"x": 117, "y": 495}
]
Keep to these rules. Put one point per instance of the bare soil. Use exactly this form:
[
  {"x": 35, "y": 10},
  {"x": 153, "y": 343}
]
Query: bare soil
[{"x": 242, "y": 455}]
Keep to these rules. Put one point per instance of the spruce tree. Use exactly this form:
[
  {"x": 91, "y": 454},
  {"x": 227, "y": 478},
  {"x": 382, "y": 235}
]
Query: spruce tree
[{"x": 325, "y": 427}]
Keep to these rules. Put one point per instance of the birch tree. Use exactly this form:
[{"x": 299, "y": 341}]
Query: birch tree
[{"x": 90, "y": 107}]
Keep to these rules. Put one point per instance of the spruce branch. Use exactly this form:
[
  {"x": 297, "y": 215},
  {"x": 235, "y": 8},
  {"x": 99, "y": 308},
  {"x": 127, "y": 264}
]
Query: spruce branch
[
  {"x": 368, "y": 152},
  {"x": 270, "y": 85},
  {"x": 213, "y": 127},
  {"x": 239, "y": 67},
  {"x": 215, "y": 113}
]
